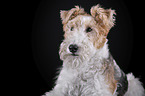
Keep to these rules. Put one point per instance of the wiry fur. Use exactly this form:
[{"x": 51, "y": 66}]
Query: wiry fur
[
  {"x": 135, "y": 86},
  {"x": 90, "y": 72}
]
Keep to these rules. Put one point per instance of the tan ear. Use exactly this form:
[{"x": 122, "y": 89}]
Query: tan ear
[
  {"x": 63, "y": 14},
  {"x": 104, "y": 17},
  {"x": 70, "y": 14}
]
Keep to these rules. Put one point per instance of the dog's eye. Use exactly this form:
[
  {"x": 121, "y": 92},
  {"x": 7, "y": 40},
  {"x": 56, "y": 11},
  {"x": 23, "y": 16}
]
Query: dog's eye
[
  {"x": 72, "y": 28},
  {"x": 89, "y": 29}
]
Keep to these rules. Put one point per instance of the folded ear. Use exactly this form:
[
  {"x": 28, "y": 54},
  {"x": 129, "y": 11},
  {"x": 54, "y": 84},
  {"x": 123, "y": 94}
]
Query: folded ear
[
  {"x": 104, "y": 17},
  {"x": 70, "y": 14}
]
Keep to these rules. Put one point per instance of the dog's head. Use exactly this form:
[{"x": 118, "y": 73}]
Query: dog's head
[{"x": 84, "y": 33}]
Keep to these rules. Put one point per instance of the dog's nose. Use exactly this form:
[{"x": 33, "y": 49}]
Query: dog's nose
[{"x": 73, "y": 48}]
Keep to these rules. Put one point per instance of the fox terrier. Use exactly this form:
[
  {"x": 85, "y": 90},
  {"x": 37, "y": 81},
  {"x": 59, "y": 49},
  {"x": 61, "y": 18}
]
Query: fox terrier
[{"x": 88, "y": 67}]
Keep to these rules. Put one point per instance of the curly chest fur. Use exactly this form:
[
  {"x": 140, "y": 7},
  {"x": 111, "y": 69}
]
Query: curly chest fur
[{"x": 85, "y": 83}]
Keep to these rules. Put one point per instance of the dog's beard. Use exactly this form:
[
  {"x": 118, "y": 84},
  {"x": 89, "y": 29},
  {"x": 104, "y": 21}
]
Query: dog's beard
[
  {"x": 85, "y": 53},
  {"x": 72, "y": 61}
]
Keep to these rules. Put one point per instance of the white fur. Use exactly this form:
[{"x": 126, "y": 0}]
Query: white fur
[{"x": 135, "y": 86}]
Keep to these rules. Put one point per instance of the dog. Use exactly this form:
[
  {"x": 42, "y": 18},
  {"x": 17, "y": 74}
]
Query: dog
[{"x": 88, "y": 67}]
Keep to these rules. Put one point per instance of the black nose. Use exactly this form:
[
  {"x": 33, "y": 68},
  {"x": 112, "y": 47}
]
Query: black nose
[{"x": 73, "y": 48}]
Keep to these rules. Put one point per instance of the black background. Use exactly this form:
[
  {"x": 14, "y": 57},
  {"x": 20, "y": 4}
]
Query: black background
[{"x": 42, "y": 33}]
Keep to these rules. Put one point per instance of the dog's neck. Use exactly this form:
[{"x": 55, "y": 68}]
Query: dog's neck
[
  {"x": 99, "y": 57},
  {"x": 102, "y": 52}
]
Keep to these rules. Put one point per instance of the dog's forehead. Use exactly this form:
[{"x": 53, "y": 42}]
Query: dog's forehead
[
  {"x": 83, "y": 19},
  {"x": 86, "y": 18}
]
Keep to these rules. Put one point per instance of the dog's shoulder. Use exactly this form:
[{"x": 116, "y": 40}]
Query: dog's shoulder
[{"x": 119, "y": 76}]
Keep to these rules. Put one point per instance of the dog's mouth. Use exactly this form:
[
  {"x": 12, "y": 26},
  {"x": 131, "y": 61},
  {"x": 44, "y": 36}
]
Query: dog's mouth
[{"x": 73, "y": 54}]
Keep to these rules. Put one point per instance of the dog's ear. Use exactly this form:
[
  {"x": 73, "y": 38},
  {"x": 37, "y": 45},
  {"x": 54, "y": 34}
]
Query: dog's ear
[
  {"x": 70, "y": 14},
  {"x": 104, "y": 17}
]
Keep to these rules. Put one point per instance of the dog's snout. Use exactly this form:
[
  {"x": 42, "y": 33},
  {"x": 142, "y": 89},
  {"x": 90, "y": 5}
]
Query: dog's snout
[{"x": 73, "y": 48}]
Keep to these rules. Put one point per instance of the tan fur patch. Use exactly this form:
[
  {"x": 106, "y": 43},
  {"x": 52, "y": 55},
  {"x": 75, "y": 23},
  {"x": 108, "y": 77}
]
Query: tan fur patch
[
  {"x": 104, "y": 17},
  {"x": 69, "y": 15},
  {"x": 109, "y": 77}
]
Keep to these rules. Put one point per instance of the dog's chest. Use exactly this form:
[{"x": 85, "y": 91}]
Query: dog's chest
[{"x": 86, "y": 83}]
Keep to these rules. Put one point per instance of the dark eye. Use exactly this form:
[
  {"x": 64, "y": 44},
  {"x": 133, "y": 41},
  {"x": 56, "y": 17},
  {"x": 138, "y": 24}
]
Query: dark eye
[
  {"x": 89, "y": 29},
  {"x": 72, "y": 28}
]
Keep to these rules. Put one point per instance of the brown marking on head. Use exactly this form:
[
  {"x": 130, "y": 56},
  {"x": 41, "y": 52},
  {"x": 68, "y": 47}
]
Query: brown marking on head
[
  {"x": 104, "y": 17},
  {"x": 103, "y": 20},
  {"x": 70, "y": 14}
]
